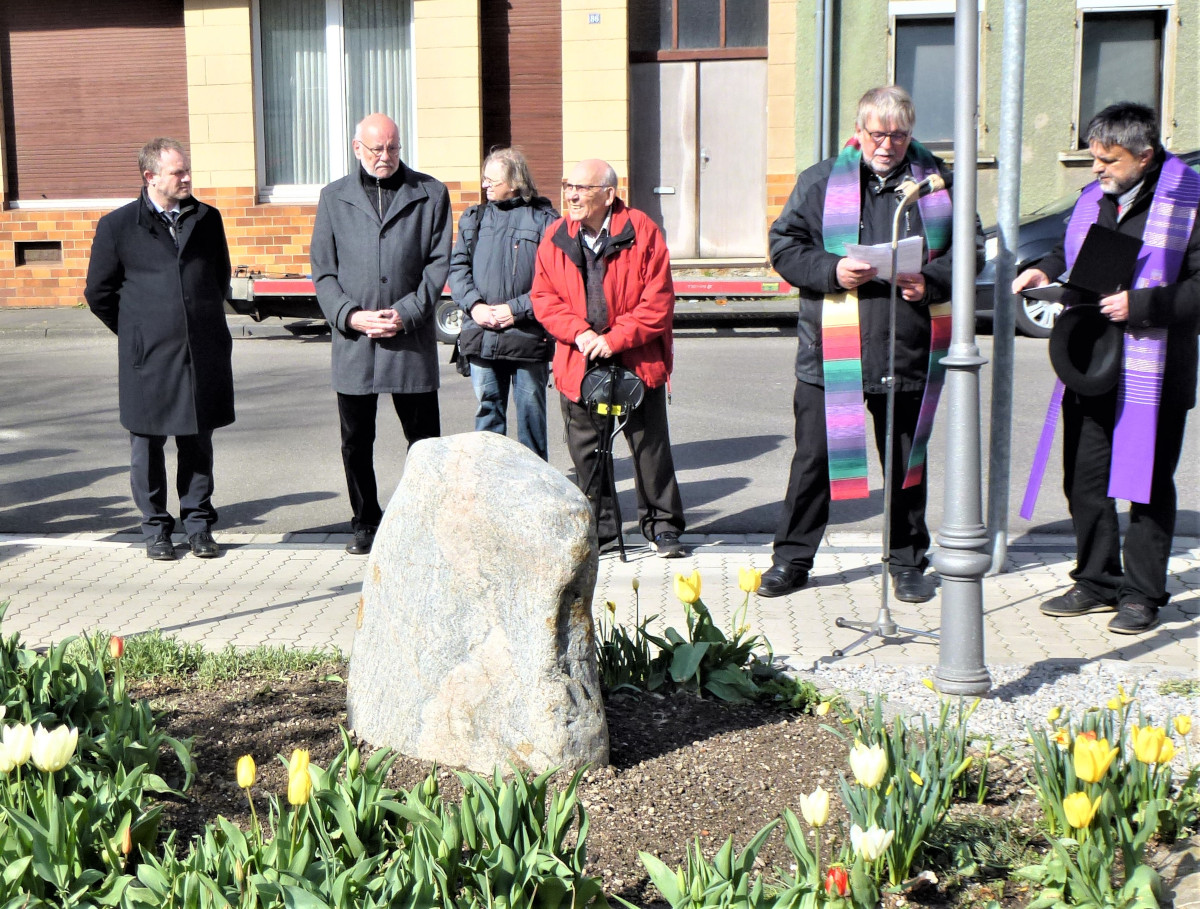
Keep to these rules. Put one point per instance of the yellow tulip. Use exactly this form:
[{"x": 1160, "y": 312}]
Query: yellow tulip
[
  {"x": 868, "y": 764},
  {"x": 1113, "y": 704},
  {"x": 916, "y": 777},
  {"x": 1062, "y": 738},
  {"x": 815, "y": 807},
  {"x": 247, "y": 772},
  {"x": 1079, "y": 809},
  {"x": 822, "y": 708},
  {"x": 1183, "y": 724},
  {"x": 1148, "y": 742},
  {"x": 749, "y": 578},
  {"x": 688, "y": 589},
  {"x": 299, "y": 782},
  {"x": 52, "y": 750},
  {"x": 928, "y": 683},
  {"x": 611, "y": 607},
  {"x": 1166, "y": 751},
  {"x": 1053, "y": 715},
  {"x": 1092, "y": 758},
  {"x": 18, "y": 740}
]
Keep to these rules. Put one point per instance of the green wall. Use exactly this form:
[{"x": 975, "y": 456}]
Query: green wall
[{"x": 1049, "y": 166}]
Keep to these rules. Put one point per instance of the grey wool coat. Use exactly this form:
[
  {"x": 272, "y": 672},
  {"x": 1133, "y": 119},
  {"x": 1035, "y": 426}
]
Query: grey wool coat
[
  {"x": 360, "y": 261},
  {"x": 167, "y": 308}
]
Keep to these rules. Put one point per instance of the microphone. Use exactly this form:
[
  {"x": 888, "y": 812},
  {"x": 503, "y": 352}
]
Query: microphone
[{"x": 910, "y": 189}]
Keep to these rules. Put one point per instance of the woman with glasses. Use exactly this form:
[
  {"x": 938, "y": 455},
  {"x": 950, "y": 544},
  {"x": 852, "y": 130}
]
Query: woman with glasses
[{"x": 491, "y": 270}]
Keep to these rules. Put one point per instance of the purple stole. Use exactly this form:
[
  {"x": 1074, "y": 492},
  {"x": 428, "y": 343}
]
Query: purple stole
[
  {"x": 841, "y": 345},
  {"x": 1165, "y": 237}
]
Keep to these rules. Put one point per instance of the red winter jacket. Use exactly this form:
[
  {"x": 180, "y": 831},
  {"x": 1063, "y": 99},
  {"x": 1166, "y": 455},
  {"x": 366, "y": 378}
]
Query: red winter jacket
[{"x": 637, "y": 286}]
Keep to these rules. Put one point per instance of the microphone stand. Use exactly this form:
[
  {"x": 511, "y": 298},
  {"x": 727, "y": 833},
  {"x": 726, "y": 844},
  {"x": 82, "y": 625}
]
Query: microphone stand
[{"x": 884, "y": 627}]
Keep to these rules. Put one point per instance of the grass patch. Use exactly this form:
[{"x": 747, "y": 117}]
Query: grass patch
[
  {"x": 1188, "y": 688},
  {"x": 154, "y": 655}
]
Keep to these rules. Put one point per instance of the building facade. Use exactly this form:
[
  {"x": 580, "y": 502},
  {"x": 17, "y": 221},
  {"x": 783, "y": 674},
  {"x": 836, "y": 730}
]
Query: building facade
[{"x": 706, "y": 108}]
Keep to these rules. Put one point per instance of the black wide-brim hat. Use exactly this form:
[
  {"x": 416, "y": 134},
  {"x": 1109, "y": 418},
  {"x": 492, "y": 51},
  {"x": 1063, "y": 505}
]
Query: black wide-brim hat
[{"x": 1085, "y": 350}]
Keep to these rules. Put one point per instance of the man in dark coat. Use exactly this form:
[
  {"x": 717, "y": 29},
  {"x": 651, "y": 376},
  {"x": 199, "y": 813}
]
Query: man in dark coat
[
  {"x": 842, "y": 362},
  {"x": 1125, "y": 442},
  {"x": 158, "y": 277},
  {"x": 380, "y": 254}
]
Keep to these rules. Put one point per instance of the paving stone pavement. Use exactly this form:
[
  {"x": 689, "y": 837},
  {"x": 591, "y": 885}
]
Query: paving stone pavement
[{"x": 302, "y": 590}]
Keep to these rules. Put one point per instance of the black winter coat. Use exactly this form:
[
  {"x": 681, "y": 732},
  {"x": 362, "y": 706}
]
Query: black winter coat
[
  {"x": 1175, "y": 307},
  {"x": 493, "y": 262},
  {"x": 798, "y": 254},
  {"x": 167, "y": 308}
]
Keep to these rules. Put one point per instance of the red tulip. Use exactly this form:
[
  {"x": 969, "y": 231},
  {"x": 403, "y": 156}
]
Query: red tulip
[
  {"x": 837, "y": 881},
  {"x": 116, "y": 647}
]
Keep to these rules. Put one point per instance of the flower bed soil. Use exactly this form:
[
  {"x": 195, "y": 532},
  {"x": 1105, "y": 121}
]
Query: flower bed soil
[{"x": 681, "y": 769}]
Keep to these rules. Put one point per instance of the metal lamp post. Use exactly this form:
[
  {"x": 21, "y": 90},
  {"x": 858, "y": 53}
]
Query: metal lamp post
[{"x": 962, "y": 557}]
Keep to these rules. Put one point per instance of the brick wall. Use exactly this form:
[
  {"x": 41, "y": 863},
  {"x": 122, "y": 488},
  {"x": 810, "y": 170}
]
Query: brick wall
[{"x": 266, "y": 237}]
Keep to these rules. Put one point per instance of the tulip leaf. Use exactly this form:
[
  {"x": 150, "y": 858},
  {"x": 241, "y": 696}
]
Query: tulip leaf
[{"x": 686, "y": 660}]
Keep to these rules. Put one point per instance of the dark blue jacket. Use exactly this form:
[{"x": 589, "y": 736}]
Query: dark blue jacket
[{"x": 493, "y": 262}]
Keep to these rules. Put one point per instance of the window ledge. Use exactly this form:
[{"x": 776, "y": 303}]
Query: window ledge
[
  {"x": 290, "y": 195},
  {"x": 947, "y": 155},
  {"x": 1075, "y": 158}
]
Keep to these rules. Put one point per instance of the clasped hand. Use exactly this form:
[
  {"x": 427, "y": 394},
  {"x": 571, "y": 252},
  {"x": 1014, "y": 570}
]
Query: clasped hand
[
  {"x": 496, "y": 316},
  {"x": 592, "y": 345},
  {"x": 380, "y": 323}
]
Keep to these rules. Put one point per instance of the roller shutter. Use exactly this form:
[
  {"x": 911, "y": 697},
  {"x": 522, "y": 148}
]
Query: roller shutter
[
  {"x": 521, "y": 51},
  {"x": 86, "y": 84}
]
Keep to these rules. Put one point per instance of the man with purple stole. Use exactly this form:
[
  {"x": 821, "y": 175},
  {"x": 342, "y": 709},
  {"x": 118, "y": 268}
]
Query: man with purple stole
[
  {"x": 1125, "y": 443},
  {"x": 842, "y": 362}
]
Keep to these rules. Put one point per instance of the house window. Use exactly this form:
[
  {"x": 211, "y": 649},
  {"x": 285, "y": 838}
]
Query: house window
[
  {"x": 1120, "y": 59},
  {"x": 687, "y": 29},
  {"x": 323, "y": 65},
  {"x": 924, "y": 66}
]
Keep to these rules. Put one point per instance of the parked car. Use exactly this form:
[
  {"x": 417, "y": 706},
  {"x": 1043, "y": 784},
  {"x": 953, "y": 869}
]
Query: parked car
[{"x": 1037, "y": 234}]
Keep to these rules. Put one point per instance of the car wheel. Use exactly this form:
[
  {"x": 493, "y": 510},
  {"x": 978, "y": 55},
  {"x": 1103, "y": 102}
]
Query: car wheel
[
  {"x": 1035, "y": 318},
  {"x": 447, "y": 321}
]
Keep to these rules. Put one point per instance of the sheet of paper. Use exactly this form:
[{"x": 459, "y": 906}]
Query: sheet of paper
[{"x": 908, "y": 256}]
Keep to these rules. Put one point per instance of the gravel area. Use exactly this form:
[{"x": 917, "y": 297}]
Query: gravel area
[{"x": 1020, "y": 694}]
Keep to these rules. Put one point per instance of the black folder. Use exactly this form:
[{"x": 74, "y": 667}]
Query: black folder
[{"x": 1104, "y": 266}]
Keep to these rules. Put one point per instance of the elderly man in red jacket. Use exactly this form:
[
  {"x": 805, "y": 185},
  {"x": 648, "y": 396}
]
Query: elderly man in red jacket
[{"x": 602, "y": 288}]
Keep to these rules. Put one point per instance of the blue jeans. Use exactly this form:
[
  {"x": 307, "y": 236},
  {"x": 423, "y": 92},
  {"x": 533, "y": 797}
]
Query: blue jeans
[{"x": 492, "y": 380}]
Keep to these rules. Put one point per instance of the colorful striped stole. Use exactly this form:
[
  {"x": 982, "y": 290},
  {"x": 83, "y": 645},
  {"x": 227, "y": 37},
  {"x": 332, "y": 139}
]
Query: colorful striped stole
[
  {"x": 841, "y": 344},
  {"x": 1165, "y": 237}
]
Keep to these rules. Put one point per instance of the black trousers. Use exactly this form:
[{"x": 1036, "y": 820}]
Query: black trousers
[
  {"x": 1087, "y": 457},
  {"x": 193, "y": 482},
  {"x": 420, "y": 419},
  {"x": 660, "y": 507},
  {"x": 806, "y": 507}
]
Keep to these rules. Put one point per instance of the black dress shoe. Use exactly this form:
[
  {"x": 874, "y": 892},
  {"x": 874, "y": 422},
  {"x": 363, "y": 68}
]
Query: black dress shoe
[
  {"x": 364, "y": 537},
  {"x": 913, "y": 586},
  {"x": 1075, "y": 601},
  {"x": 203, "y": 545},
  {"x": 1133, "y": 618},
  {"x": 780, "y": 580},
  {"x": 161, "y": 549}
]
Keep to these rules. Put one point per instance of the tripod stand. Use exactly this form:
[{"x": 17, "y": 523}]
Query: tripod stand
[
  {"x": 612, "y": 392},
  {"x": 884, "y": 627}
]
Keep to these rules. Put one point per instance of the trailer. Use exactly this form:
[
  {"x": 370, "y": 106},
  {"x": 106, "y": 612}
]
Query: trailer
[{"x": 292, "y": 296}]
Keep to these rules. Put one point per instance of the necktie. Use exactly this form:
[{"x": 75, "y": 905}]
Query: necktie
[{"x": 172, "y": 219}]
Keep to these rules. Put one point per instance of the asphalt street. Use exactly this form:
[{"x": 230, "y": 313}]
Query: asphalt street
[{"x": 65, "y": 457}]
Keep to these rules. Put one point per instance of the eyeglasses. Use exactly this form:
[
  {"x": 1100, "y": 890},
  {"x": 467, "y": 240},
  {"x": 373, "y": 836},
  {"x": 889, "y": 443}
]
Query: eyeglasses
[
  {"x": 570, "y": 188},
  {"x": 897, "y": 137},
  {"x": 488, "y": 181},
  {"x": 389, "y": 151}
]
